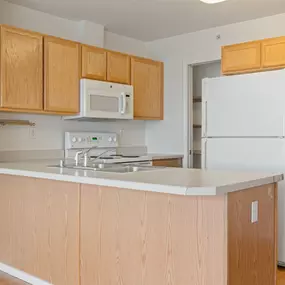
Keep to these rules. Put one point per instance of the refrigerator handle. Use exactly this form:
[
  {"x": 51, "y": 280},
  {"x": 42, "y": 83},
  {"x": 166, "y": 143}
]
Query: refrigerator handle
[
  {"x": 204, "y": 121},
  {"x": 283, "y": 126},
  {"x": 204, "y": 153}
]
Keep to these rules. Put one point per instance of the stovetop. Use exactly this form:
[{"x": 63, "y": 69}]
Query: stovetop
[{"x": 115, "y": 156}]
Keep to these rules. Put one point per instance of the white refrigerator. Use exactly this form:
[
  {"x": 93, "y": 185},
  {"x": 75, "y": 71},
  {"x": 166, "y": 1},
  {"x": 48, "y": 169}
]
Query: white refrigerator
[{"x": 243, "y": 128}]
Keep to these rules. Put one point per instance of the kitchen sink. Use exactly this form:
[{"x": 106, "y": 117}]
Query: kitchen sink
[
  {"x": 90, "y": 166},
  {"x": 115, "y": 168},
  {"x": 128, "y": 169}
]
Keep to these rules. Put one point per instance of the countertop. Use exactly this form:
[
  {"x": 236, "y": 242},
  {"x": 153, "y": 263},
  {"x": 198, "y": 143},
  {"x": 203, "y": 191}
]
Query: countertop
[{"x": 164, "y": 180}]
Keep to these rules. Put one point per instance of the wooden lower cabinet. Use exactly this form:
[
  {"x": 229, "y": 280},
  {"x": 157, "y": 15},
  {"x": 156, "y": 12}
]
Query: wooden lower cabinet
[
  {"x": 252, "y": 255},
  {"x": 77, "y": 234},
  {"x": 39, "y": 228},
  {"x": 176, "y": 162}
]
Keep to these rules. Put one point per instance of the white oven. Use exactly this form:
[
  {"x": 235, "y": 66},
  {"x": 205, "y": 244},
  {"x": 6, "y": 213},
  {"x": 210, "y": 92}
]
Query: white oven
[{"x": 99, "y": 99}]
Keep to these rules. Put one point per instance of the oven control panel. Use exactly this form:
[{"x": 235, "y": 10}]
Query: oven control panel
[{"x": 74, "y": 140}]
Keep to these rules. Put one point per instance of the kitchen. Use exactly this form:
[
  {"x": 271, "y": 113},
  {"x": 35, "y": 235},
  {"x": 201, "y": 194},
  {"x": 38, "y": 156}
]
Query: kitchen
[{"x": 47, "y": 134}]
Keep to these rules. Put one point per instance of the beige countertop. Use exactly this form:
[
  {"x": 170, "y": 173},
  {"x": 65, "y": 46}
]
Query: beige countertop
[{"x": 164, "y": 180}]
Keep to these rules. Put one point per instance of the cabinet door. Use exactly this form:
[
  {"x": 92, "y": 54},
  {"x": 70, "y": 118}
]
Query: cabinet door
[
  {"x": 273, "y": 53},
  {"x": 147, "y": 79},
  {"x": 94, "y": 63},
  {"x": 175, "y": 162},
  {"x": 241, "y": 58},
  {"x": 21, "y": 69},
  {"x": 61, "y": 75},
  {"x": 118, "y": 67}
]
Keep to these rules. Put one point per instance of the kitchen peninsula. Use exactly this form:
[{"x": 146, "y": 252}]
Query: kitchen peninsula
[{"x": 161, "y": 226}]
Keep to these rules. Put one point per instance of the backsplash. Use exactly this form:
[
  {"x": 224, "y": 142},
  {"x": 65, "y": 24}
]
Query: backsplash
[{"x": 48, "y": 134}]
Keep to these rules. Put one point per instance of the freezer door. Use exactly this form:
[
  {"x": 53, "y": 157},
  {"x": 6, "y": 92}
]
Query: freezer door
[
  {"x": 244, "y": 105},
  {"x": 251, "y": 155}
]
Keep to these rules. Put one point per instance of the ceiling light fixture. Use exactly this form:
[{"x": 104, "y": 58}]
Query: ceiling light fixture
[{"x": 212, "y": 1}]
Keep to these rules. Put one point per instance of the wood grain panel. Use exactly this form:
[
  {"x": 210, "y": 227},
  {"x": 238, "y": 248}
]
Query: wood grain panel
[
  {"x": 21, "y": 69},
  {"x": 177, "y": 162},
  {"x": 39, "y": 228},
  {"x": 6, "y": 279},
  {"x": 62, "y": 66},
  {"x": 241, "y": 58},
  {"x": 94, "y": 63},
  {"x": 273, "y": 53},
  {"x": 147, "y": 79},
  {"x": 252, "y": 257},
  {"x": 132, "y": 237},
  {"x": 118, "y": 67}
]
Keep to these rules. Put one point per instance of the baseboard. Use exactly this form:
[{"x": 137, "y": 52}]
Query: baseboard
[{"x": 22, "y": 275}]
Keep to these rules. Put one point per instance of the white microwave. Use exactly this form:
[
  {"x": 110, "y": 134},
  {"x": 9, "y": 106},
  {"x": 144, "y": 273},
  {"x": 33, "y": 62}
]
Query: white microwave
[{"x": 105, "y": 100}]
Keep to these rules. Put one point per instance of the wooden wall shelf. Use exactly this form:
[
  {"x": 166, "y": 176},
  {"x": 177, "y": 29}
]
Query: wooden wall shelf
[
  {"x": 197, "y": 99},
  {"x": 197, "y": 126}
]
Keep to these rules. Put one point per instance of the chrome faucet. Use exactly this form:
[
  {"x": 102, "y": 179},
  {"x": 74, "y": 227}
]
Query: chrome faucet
[
  {"x": 106, "y": 151},
  {"x": 86, "y": 155}
]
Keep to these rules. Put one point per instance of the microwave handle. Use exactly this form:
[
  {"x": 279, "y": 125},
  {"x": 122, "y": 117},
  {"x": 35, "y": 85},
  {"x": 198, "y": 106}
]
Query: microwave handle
[{"x": 123, "y": 103}]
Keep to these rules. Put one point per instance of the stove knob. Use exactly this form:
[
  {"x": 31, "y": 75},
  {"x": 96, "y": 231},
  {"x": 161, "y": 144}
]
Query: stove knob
[
  {"x": 109, "y": 139},
  {"x": 114, "y": 139},
  {"x": 74, "y": 139},
  {"x": 79, "y": 139}
]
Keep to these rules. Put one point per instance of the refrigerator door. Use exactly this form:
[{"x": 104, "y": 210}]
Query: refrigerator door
[
  {"x": 250, "y": 105},
  {"x": 263, "y": 154}
]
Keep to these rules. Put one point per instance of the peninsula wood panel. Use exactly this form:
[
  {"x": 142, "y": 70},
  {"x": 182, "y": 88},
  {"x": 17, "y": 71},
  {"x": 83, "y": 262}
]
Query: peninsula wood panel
[
  {"x": 39, "y": 228},
  {"x": 94, "y": 63},
  {"x": 135, "y": 237},
  {"x": 62, "y": 66},
  {"x": 177, "y": 162},
  {"x": 252, "y": 257},
  {"x": 241, "y": 58},
  {"x": 273, "y": 53},
  {"x": 147, "y": 79},
  {"x": 21, "y": 69},
  {"x": 118, "y": 67}
]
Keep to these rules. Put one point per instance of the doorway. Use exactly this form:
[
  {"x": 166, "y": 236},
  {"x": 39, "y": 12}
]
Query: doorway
[{"x": 196, "y": 74}]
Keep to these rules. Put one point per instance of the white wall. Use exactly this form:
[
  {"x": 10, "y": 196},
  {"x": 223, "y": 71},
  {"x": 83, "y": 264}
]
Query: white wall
[
  {"x": 125, "y": 44},
  {"x": 49, "y": 132},
  {"x": 195, "y": 48},
  {"x": 50, "y": 129}
]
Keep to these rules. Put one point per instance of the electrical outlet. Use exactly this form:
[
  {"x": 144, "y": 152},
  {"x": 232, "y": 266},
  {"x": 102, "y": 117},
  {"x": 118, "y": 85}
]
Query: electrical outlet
[
  {"x": 254, "y": 212},
  {"x": 32, "y": 133}
]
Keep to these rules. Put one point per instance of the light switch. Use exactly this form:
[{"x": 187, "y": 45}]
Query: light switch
[{"x": 254, "y": 212}]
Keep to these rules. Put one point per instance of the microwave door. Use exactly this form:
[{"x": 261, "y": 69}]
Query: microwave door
[{"x": 103, "y": 104}]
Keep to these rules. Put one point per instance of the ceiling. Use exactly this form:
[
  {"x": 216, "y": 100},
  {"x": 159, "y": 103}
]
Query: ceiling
[{"x": 149, "y": 20}]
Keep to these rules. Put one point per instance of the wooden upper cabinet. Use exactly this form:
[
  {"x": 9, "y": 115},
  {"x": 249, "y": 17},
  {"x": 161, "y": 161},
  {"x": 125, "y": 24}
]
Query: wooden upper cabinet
[
  {"x": 94, "y": 63},
  {"x": 241, "y": 58},
  {"x": 21, "y": 69},
  {"x": 62, "y": 66},
  {"x": 273, "y": 53},
  {"x": 147, "y": 79},
  {"x": 118, "y": 67}
]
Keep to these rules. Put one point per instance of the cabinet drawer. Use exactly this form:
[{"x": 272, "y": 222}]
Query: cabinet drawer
[
  {"x": 241, "y": 57},
  {"x": 273, "y": 53}
]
